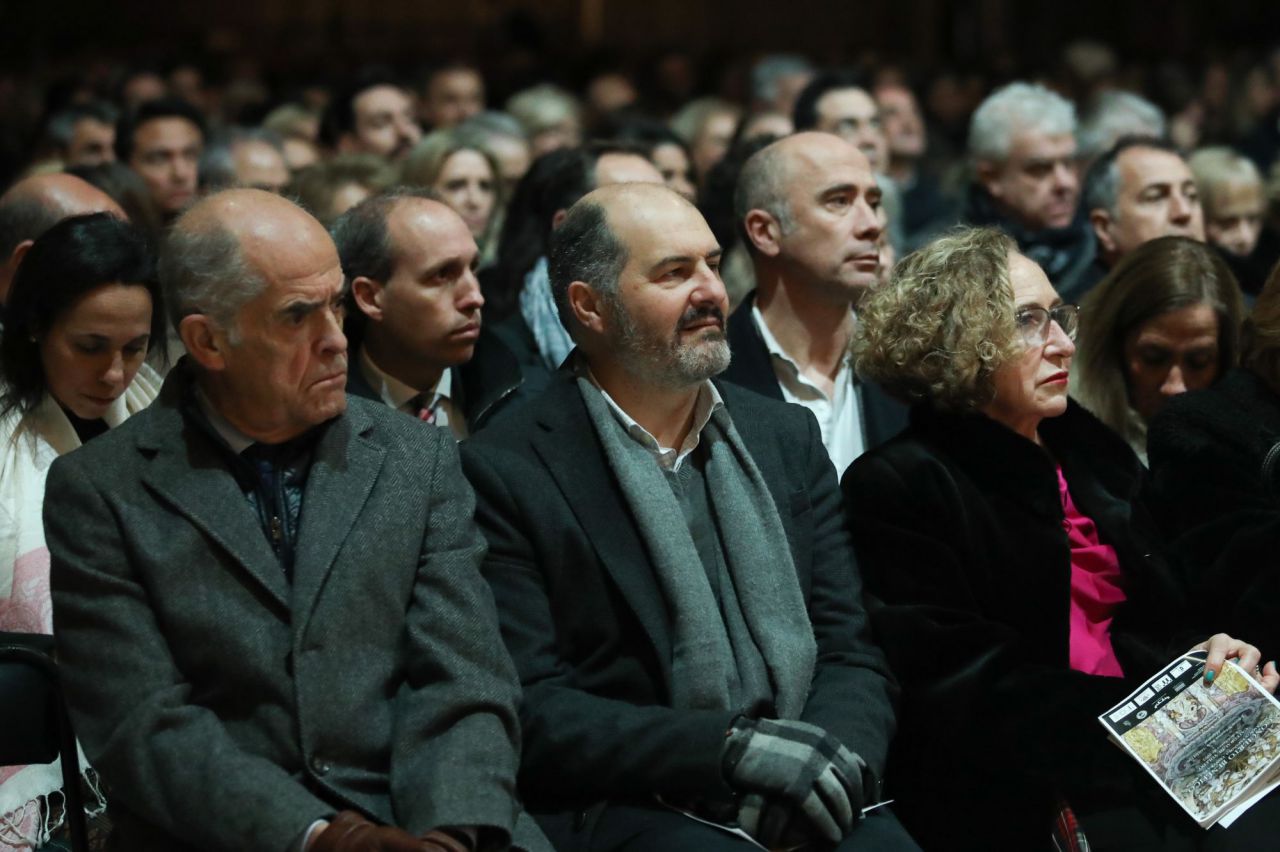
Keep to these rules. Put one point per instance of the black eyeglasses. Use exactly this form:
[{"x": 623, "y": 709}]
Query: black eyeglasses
[{"x": 1033, "y": 322}]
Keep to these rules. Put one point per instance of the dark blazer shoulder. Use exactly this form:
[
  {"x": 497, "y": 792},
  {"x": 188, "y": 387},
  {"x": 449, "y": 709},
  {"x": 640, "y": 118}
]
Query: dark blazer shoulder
[{"x": 750, "y": 366}]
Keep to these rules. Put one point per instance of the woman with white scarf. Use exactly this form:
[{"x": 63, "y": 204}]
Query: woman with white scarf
[{"x": 83, "y": 311}]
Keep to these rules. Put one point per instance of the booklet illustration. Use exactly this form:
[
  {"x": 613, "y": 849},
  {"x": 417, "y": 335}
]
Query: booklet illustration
[{"x": 1214, "y": 747}]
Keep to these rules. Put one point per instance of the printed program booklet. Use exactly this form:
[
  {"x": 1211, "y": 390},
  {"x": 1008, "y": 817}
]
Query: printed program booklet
[{"x": 1215, "y": 748}]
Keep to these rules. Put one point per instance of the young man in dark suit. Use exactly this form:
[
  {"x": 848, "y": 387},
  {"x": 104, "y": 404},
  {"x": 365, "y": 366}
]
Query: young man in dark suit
[
  {"x": 414, "y": 318},
  {"x": 672, "y": 569}
]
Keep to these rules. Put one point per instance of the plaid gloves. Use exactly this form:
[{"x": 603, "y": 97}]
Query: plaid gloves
[{"x": 784, "y": 768}]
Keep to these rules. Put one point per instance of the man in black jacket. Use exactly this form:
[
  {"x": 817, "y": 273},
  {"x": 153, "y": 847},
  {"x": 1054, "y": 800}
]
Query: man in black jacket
[
  {"x": 414, "y": 313},
  {"x": 672, "y": 569},
  {"x": 809, "y": 206}
]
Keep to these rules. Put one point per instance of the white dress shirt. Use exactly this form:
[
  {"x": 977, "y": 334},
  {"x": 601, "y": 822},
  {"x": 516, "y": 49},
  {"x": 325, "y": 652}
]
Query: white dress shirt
[
  {"x": 669, "y": 458},
  {"x": 839, "y": 415},
  {"x": 401, "y": 397}
]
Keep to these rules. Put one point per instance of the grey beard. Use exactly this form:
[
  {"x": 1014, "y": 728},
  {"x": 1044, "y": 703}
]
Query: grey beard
[{"x": 674, "y": 364}]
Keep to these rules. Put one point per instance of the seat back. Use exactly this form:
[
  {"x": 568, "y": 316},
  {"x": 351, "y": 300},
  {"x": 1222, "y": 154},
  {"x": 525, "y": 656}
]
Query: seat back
[{"x": 34, "y": 726}]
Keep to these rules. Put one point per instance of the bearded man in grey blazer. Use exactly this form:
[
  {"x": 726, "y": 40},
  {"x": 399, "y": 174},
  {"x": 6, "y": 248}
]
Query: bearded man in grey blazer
[{"x": 267, "y": 602}]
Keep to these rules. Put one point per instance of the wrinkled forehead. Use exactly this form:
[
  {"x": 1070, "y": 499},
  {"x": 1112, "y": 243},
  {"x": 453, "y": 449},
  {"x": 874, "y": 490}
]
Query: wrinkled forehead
[
  {"x": 425, "y": 230},
  {"x": 286, "y": 245},
  {"x": 1029, "y": 282},
  {"x": 1144, "y": 166},
  {"x": 1036, "y": 145},
  {"x": 825, "y": 161}
]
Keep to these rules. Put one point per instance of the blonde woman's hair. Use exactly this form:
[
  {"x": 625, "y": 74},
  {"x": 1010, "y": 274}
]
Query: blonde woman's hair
[
  {"x": 1215, "y": 169},
  {"x": 944, "y": 323}
]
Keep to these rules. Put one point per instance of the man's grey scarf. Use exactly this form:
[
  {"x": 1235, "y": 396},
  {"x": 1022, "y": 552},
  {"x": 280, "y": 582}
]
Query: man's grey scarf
[{"x": 704, "y": 667}]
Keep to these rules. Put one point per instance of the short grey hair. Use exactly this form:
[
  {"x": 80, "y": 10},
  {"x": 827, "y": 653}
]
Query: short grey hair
[
  {"x": 541, "y": 107},
  {"x": 1101, "y": 187},
  {"x": 584, "y": 248},
  {"x": 494, "y": 123},
  {"x": 1017, "y": 108},
  {"x": 761, "y": 186},
  {"x": 62, "y": 125},
  {"x": 218, "y": 163},
  {"x": 689, "y": 121},
  {"x": 203, "y": 270},
  {"x": 1117, "y": 114},
  {"x": 1217, "y": 167},
  {"x": 770, "y": 69}
]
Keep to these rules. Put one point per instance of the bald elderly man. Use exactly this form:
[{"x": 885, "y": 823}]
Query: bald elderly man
[
  {"x": 34, "y": 205},
  {"x": 673, "y": 572},
  {"x": 271, "y": 625}
]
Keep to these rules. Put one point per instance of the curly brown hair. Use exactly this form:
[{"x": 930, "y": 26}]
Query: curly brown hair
[{"x": 942, "y": 326}]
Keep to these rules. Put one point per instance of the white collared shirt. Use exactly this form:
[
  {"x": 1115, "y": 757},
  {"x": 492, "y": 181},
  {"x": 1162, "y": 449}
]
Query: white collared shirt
[
  {"x": 400, "y": 396},
  {"x": 669, "y": 458},
  {"x": 839, "y": 416}
]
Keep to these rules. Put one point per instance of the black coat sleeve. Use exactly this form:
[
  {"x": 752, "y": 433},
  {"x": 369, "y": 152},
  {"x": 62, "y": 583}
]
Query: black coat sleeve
[
  {"x": 853, "y": 694},
  {"x": 1222, "y": 518}
]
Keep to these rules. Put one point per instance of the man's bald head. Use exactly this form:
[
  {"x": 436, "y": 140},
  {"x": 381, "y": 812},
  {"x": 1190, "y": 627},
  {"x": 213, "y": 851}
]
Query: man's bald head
[
  {"x": 586, "y": 246},
  {"x": 637, "y": 200},
  {"x": 765, "y": 176},
  {"x": 63, "y": 195},
  {"x": 635, "y": 271},
  {"x": 219, "y": 254},
  {"x": 809, "y": 206},
  {"x": 34, "y": 205},
  {"x": 594, "y": 241}
]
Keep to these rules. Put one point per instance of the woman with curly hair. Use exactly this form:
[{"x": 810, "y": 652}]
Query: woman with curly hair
[{"x": 1015, "y": 584}]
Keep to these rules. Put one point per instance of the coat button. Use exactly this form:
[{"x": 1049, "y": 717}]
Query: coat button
[{"x": 320, "y": 767}]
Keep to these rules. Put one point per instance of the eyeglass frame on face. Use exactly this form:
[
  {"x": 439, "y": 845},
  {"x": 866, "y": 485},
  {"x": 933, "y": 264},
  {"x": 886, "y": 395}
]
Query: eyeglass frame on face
[{"x": 1067, "y": 318}]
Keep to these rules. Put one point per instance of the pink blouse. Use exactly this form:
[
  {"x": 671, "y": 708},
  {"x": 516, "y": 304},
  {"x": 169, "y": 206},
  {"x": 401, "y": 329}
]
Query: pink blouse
[{"x": 1096, "y": 591}]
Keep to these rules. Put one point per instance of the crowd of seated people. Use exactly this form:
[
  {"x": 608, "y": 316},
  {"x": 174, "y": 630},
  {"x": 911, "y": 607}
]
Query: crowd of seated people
[{"x": 401, "y": 468}]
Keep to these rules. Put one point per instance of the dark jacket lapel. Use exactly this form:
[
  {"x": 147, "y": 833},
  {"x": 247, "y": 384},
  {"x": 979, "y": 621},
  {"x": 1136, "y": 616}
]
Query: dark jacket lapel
[
  {"x": 567, "y": 444},
  {"x": 343, "y": 471},
  {"x": 750, "y": 367},
  {"x": 190, "y": 473},
  {"x": 488, "y": 380}
]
